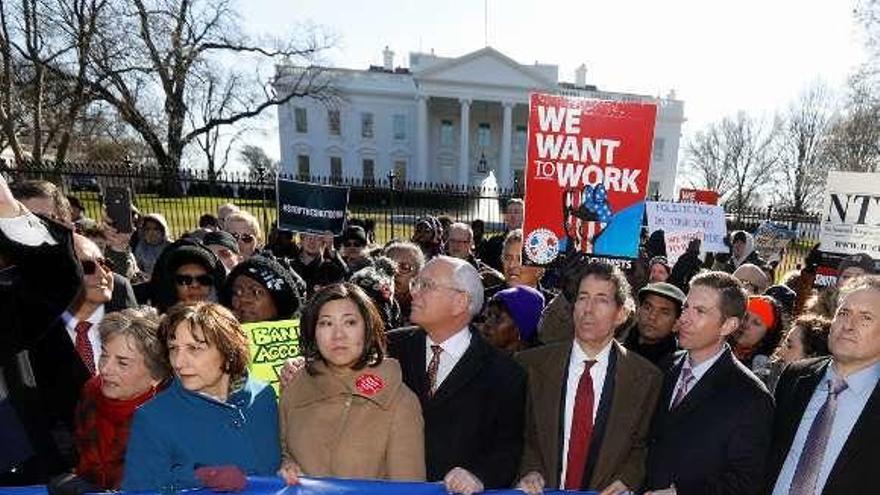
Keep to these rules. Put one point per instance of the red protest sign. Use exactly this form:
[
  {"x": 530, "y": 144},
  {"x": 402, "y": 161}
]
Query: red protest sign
[
  {"x": 704, "y": 196},
  {"x": 586, "y": 176}
]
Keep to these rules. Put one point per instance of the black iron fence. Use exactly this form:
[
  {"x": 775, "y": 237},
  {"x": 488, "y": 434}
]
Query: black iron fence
[{"x": 183, "y": 196}]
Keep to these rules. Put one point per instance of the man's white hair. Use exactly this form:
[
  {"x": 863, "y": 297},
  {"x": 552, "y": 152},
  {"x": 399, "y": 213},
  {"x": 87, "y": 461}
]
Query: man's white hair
[
  {"x": 462, "y": 227},
  {"x": 466, "y": 279}
]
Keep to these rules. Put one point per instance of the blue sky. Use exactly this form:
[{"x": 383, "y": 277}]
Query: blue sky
[{"x": 720, "y": 56}]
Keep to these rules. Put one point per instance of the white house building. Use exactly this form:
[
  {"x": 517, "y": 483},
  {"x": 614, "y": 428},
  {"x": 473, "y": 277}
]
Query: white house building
[{"x": 442, "y": 120}]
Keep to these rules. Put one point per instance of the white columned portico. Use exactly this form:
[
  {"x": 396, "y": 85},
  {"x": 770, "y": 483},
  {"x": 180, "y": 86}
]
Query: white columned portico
[
  {"x": 464, "y": 163},
  {"x": 422, "y": 138},
  {"x": 505, "y": 179}
]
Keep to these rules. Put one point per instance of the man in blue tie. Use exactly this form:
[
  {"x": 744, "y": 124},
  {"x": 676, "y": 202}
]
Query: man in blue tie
[
  {"x": 711, "y": 431},
  {"x": 827, "y": 422}
]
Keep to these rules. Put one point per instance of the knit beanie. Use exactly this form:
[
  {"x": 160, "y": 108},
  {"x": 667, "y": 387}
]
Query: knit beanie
[
  {"x": 525, "y": 305},
  {"x": 284, "y": 285}
]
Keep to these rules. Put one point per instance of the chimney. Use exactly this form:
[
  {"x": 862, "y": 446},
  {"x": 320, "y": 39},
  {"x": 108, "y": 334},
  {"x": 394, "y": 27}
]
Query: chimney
[
  {"x": 388, "y": 59},
  {"x": 580, "y": 75}
]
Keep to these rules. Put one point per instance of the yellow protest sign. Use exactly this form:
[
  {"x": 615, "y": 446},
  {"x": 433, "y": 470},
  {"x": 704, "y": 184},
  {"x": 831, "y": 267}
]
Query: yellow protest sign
[{"x": 271, "y": 343}]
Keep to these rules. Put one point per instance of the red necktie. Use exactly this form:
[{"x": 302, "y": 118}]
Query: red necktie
[
  {"x": 581, "y": 430},
  {"x": 84, "y": 346}
]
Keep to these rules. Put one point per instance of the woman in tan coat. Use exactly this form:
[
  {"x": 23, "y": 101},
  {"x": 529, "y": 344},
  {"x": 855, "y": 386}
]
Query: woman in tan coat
[{"x": 349, "y": 414}]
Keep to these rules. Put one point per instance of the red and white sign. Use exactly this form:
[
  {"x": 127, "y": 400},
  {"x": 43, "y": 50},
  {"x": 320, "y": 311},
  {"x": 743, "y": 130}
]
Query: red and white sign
[
  {"x": 586, "y": 176},
  {"x": 703, "y": 196},
  {"x": 369, "y": 384}
]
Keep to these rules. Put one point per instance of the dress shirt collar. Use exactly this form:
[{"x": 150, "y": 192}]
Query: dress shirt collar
[
  {"x": 699, "y": 370},
  {"x": 456, "y": 345},
  {"x": 860, "y": 383},
  {"x": 578, "y": 356},
  {"x": 95, "y": 318}
]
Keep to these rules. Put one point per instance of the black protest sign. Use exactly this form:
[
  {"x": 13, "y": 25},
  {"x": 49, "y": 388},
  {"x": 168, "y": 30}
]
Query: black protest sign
[{"x": 305, "y": 207}]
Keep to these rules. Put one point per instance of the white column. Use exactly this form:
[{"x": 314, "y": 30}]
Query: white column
[
  {"x": 421, "y": 168},
  {"x": 464, "y": 163},
  {"x": 505, "y": 178}
]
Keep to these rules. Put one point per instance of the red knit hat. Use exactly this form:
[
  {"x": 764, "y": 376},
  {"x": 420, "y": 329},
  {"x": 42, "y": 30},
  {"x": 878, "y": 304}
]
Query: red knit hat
[{"x": 762, "y": 307}]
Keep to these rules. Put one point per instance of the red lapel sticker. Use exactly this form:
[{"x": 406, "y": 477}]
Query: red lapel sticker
[{"x": 369, "y": 384}]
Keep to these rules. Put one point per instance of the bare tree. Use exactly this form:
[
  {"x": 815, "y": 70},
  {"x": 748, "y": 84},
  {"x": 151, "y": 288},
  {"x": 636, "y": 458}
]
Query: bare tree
[
  {"x": 854, "y": 143},
  {"x": 734, "y": 157},
  {"x": 259, "y": 164},
  {"x": 152, "y": 55},
  {"x": 39, "y": 108},
  {"x": 804, "y": 137}
]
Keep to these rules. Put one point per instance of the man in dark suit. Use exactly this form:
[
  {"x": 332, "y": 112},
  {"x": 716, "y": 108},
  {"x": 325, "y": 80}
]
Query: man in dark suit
[
  {"x": 67, "y": 354},
  {"x": 711, "y": 431},
  {"x": 39, "y": 276},
  {"x": 827, "y": 422},
  {"x": 472, "y": 396},
  {"x": 605, "y": 448}
]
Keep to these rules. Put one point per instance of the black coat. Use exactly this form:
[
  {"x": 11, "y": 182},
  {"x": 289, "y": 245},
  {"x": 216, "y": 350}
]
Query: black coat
[
  {"x": 34, "y": 291},
  {"x": 856, "y": 465},
  {"x": 475, "y": 418},
  {"x": 717, "y": 440}
]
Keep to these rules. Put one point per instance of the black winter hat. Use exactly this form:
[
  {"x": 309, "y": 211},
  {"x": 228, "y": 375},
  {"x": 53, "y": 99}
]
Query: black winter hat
[
  {"x": 221, "y": 238},
  {"x": 284, "y": 285}
]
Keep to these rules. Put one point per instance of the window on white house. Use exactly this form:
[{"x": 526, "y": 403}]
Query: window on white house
[
  {"x": 334, "y": 124},
  {"x": 484, "y": 135},
  {"x": 446, "y": 133},
  {"x": 301, "y": 120},
  {"x": 367, "y": 125},
  {"x": 399, "y": 127},
  {"x": 335, "y": 168}
]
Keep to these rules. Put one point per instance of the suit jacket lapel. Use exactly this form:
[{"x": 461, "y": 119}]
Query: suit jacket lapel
[
  {"x": 465, "y": 369},
  {"x": 711, "y": 382},
  {"x": 620, "y": 412},
  {"x": 415, "y": 365},
  {"x": 866, "y": 430},
  {"x": 549, "y": 408}
]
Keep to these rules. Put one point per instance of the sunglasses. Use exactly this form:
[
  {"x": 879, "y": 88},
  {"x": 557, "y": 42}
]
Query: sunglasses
[
  {"x": 246, "y": 238},
  {"x": 188, "y": 280},
  {"x": 353, "y": 244},
  {"x": 89, "y": 267}
]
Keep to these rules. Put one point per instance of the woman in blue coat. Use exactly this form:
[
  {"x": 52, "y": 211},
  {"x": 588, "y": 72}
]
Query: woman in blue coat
[{"x": 214, "y": 425}]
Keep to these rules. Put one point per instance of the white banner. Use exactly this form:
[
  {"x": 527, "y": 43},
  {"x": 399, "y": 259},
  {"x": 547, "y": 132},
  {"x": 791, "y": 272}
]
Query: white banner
[
  {"x": 851, "y": 217},
  {"x": 690, "y": 217}
]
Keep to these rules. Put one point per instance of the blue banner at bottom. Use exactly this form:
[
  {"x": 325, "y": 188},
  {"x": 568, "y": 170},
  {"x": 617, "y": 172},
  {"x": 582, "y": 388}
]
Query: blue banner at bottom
[{"x": 317, "y": 486}]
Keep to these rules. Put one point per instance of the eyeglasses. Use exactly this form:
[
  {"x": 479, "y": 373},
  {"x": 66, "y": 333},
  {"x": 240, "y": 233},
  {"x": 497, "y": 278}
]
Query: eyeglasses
[
  {"x": 354, "y": 244},
  {"x": 252, "y": 293},
  {"x": 188, "y": 280},
  {"x": 89, "y": 267},
  {"x": 245, "y": 238},
  {"x": 426, "y": 284}
]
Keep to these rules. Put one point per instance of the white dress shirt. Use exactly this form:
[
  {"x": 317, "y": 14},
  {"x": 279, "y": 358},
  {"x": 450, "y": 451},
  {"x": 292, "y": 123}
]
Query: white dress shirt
[
  {"x": 598, "y": 372},
  {"x": 696, "y": 371},
  {"x": 26, "y": 229},
  {"x": 453, "y": 349},
  {"x": 95, "y": 318}
]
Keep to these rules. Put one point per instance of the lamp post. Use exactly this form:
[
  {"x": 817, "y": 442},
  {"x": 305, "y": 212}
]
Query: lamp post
[
  {"x": 391, "y": 177},
  {"x": 261, "y": 174}
]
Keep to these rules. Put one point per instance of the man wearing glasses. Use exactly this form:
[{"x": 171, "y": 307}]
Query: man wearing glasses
[{"x": 472, "y": 396}]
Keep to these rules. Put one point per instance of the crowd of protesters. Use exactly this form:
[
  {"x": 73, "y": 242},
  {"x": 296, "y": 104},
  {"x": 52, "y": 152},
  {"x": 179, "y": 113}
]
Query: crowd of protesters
[{"x": 124, "y": 364}]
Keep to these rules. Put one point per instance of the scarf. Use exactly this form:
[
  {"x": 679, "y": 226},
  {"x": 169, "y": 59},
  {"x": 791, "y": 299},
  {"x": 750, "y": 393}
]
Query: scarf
[{"x": 101, "y": 433}]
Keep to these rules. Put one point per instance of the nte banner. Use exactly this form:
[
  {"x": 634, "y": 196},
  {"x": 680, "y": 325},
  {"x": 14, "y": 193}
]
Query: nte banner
[
  {"x": 586, "y": 176},
  {"x": 851, "y": 217},
  {"x": 315, "y": 208}
]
